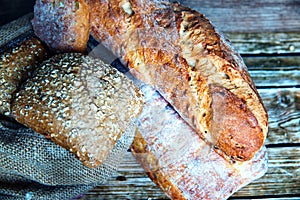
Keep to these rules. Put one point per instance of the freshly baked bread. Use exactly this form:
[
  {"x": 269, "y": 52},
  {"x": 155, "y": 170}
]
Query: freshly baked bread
[
  {"x": 62, "y": 24},
  {"x": 179, "y": 52},
  {"x": 79, "y": 103},
  {"x": 16, "y": 65},
  {"x": 182, "y": 164}
]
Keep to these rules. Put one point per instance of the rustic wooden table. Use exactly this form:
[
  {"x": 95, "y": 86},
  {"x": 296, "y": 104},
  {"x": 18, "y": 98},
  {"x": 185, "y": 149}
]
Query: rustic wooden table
[{"x": 267, "y": 35}]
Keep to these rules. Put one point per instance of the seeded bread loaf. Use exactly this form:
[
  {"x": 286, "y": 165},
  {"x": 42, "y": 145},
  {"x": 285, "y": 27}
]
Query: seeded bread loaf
[
  {"x": 62, "y": 24},
  {"x": 179, "y": 52},
  {"x": 16, "y": 65},
  {"x": 79, "y": 103}
]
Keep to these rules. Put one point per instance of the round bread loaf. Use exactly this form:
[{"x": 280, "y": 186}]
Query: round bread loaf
[
  {"x": 80, "y": 103},
  {"x": 62, "y": 24}
]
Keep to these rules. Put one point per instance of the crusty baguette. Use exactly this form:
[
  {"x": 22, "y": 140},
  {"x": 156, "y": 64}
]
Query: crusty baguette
[
  {"x": 182, "y": 164},
  {"x": 79, "y": 103},
  {"x": 179, "y": 52},
  {"x": 62, "y": 24},
  {"x": 16, "y": 64}
]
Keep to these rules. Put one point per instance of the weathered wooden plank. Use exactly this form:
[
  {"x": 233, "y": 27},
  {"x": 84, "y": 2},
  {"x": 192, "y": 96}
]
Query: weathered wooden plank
[
  {"x": 280, "y": 78},
  {"x": 131, "y": 182},
  {"x": 282, "y": 177},
  {"x": 268, "y": 43},
  {"x": 250, "y": 16},
  {"x": 283, "y": 106},
  {"x": 229, "y": 16},
  {"x": 275, "y": 63}
]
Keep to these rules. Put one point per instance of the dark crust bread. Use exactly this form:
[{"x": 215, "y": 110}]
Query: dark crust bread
[
  {"x": 179, "y": 52},
  {"x": 62, "y": 24},
  {"x": 80, "y": 103},
  {"x": 16, "y": 65}
]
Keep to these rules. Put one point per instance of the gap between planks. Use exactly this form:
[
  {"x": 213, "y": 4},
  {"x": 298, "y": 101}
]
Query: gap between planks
[
  {"x": 275, "y": 71},
  {"x": 250, "y": 16},
  {"x": 265, "y": 43}
]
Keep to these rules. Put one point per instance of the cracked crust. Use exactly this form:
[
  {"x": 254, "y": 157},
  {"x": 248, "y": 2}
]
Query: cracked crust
[{"x": 178, "y": 51}]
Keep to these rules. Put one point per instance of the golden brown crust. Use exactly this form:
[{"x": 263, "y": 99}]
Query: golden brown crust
[
  {"x": 179, "y": 52},
  {"x": 227, "y": 111},
  {"x": 215, "y": 62},
  {"x": 16, "y": 65},
  {"x": 79, "y": 103},
  {"x": 62, "y": 24}
]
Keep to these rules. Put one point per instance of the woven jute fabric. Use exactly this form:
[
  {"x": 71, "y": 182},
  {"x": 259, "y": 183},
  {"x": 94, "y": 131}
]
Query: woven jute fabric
[
  {"x": 32, "y": 166},
  {"x": 15, "y": 32}
]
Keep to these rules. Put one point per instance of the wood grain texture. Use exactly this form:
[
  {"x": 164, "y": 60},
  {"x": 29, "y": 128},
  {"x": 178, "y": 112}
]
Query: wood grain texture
[
  {"x": 131, "y": 182},
  {"x": 250, "y": 16},
  {"x": 269, "y": 71},
  {"x": 283, "y": 176},
  {"x": 273, "y": 63},
  {"x": 265, "y": 43},
  {"x": 278, "y": 78},
  {"x": 284, "y": 115}
]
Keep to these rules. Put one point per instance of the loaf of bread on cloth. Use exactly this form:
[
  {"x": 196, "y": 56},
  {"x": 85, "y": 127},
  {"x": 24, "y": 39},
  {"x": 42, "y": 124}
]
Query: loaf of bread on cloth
[
  {"x": 16, "y": 65},
  {"x": 181, "y": 163},
  {"x": 62, "y": 24},
  {"x": 178, "y": 51},
  {"x": 79, "y": 103}
]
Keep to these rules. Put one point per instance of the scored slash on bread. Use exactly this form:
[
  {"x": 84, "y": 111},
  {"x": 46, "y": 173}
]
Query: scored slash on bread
[
  {"x": 79, "y": 103},
  {"x": 179, "y": 52}
]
